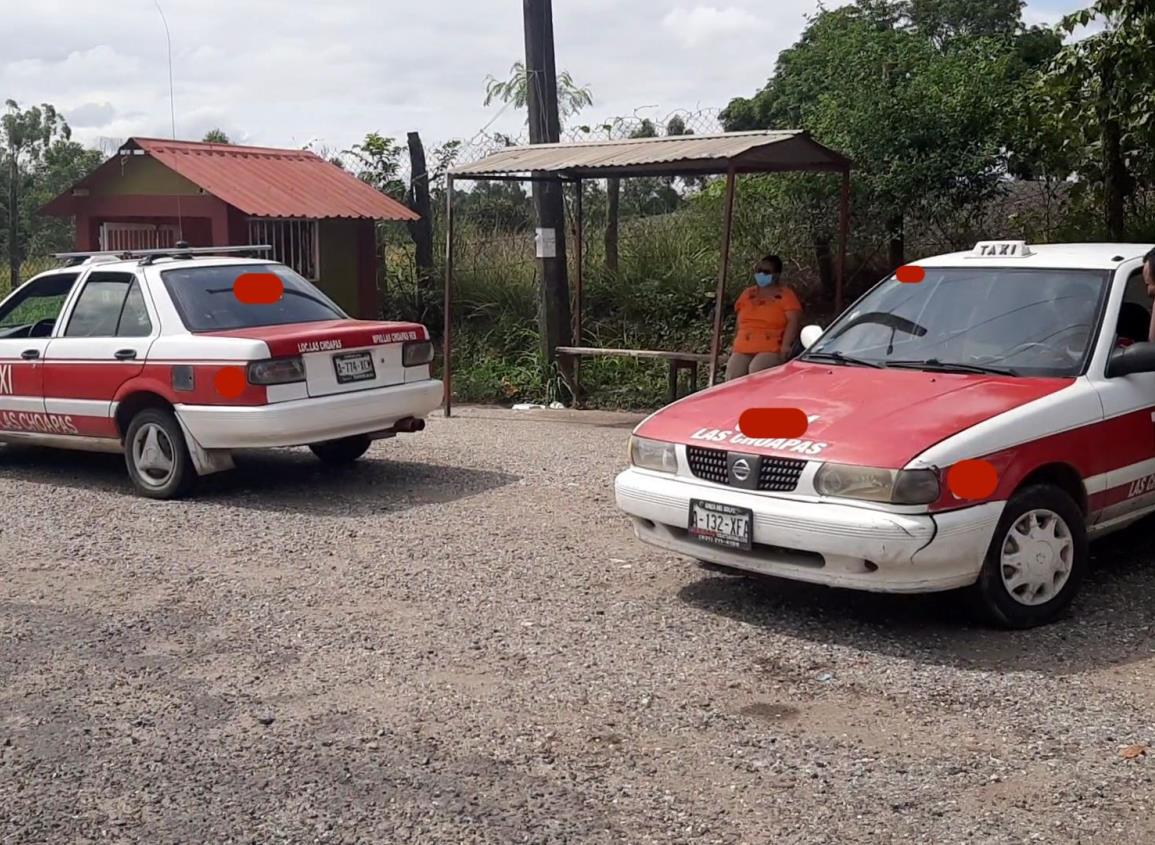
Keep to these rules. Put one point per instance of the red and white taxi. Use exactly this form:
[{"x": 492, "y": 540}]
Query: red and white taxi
[
  {"x": 1031, "y": 360},
  {"x": 155, "y": 355}
]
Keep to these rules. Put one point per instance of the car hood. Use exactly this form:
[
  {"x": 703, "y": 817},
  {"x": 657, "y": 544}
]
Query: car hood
[{"x": 857, "y": 415}]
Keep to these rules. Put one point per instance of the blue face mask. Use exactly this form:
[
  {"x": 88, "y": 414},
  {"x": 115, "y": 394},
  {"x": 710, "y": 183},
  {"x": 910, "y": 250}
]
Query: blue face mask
[{"x": 764, "y": 279}]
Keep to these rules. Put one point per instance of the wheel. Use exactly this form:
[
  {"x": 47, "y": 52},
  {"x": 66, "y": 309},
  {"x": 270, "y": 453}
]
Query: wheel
[
  {"x": 1036, "y": 559},
  {"x": 157, "y": 456},
  {"x": 343, "y": 451}
]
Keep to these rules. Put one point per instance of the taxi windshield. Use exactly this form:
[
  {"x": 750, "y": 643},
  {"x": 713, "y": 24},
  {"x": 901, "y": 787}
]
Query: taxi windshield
[
  {"x": 1010, "y": 321},
  {"x": 206, "y": 302}
]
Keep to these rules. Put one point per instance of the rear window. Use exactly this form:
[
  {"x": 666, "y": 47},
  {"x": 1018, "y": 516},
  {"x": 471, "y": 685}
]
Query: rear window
[{"x": 204, "y": 298}]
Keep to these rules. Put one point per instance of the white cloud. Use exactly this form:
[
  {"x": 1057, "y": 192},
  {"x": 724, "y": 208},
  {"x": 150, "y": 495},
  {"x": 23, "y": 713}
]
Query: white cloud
[
  {"x": 333, "y": 70},
  {"x": 704, "y": 24}
]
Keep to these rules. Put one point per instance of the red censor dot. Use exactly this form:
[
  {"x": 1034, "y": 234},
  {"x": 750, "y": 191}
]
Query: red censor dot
[
  {"x": 773, "y": 422},
  {"x": 230, "y": 382},
  {"x": 972, "y": 479},
  {"x": 259, "y": 288},
  {"x": 910, "y": 274}
]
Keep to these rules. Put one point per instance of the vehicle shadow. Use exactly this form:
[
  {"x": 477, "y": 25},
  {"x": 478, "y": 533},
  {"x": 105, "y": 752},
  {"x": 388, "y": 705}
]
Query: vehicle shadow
[
  {"x": 1112, "y": 621},
  {"x": 281, "y": 480}
]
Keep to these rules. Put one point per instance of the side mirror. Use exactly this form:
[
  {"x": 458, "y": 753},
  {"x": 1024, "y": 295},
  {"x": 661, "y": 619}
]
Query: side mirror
[
  {"x": 1136, "y": 358},
  {"x": 810, "y": 334}
]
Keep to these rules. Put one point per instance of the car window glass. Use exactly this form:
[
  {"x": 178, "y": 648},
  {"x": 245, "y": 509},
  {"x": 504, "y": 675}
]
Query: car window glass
[
  {"x": 206, "y": 302},
  {"x": 1134, "y": 321},
  {"x": 1033, "y": 321},
  {"x": 97, "y": 310},
  {"x": 33, "y": 309},
  {"x": 134, "y": 320}
]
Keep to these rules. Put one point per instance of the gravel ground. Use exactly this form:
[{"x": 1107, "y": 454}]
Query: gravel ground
[{"x": 459, "y": 640}]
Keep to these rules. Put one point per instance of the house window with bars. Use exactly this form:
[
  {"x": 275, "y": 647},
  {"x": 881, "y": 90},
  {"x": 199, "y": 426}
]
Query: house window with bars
[{"x": 294, "y": 243}]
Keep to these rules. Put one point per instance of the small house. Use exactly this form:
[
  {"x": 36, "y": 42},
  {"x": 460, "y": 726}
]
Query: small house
[{"x": 318, "y": 218}]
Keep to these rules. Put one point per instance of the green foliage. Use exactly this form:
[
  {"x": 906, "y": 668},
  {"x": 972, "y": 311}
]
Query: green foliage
[
  {"x": 216, "y": 136},
  {"x": 38, "y": 160},
  {"x": 514, "y": 90},
  {"x": 1101, "y": 91},
  {"x": 378, "y": 160}
]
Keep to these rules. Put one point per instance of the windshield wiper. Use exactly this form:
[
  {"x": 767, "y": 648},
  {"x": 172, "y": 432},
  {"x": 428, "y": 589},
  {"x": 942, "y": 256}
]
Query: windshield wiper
[
  {"x": 935, "y": 365},
  {"x": 845, "y": 360}
]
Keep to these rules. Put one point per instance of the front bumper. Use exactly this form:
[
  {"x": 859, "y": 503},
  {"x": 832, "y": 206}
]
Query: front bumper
[
  {"x": 301, "y": 422},
  {"x": 820, "y": 542}
]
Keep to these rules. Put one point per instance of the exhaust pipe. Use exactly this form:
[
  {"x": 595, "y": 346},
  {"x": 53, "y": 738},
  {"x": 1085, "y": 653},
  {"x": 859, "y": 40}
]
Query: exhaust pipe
[{"x": 409, "y": 425}]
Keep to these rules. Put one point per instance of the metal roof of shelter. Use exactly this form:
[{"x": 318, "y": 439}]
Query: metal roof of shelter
[
  {"x": 672, "y": 155},
  {"x": 259, "y": 181}
]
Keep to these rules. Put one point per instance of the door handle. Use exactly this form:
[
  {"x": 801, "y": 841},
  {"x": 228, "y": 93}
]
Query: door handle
[
  {"x": 30, "y": 354},
  {"x": 125, "y": 354}
]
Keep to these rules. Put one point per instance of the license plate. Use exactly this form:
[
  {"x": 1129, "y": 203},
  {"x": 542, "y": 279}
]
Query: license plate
[
  {"x": 354, "y": 366},
  {"x": 721, "y": 525}
]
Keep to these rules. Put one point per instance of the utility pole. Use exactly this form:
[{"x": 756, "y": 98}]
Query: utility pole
[{"x": 545, "y": 128}]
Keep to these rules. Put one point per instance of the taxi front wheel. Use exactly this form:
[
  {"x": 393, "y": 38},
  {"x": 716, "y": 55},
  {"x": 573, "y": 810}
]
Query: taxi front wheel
[
  {"x": 1035, "y": 561},
  {"x": 157, "y": 456},
  {"x": 343, "y": 451}
]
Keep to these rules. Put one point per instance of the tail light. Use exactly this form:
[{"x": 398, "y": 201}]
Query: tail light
[
  {"x": 277, "y": 371},
  {"x": 416, "y": 353}
]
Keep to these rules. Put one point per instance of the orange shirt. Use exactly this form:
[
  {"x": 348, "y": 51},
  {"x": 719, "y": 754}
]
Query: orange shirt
[{"x": 762, "y": 317}]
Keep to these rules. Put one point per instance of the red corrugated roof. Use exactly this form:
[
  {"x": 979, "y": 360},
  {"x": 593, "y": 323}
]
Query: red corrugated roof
[{"x": 267, "y": 182}]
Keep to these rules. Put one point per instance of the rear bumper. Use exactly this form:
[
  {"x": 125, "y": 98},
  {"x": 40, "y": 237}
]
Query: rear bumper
[
  {"x": 304, "y": 421},
  {"x": 819, "y": 542}
]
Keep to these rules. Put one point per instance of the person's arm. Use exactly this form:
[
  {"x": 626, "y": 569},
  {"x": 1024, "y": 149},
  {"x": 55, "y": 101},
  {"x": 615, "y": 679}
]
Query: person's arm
[
  {"x": 793, "y": 320},
  {"x": 793, "y": 326},
  {"x": 1151, "y": 330}
]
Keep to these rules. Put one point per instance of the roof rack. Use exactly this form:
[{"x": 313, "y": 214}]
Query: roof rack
[{"x": 148, "y": 256}]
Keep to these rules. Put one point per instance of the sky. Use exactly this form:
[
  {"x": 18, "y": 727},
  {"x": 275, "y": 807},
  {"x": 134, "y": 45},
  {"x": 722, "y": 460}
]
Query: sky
[{"x": 326, "y": 72}]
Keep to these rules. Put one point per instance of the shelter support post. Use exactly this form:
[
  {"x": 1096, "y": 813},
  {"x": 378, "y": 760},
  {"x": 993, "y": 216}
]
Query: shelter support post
[
  {"x": 579, "y": 248},
  {"x": 446, "y": 336},
  {"x": 727, "y": 223},
  {"x": 843, "y": 236}
]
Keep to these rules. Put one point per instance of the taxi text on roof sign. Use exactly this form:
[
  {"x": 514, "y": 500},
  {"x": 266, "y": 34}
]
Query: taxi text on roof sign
[{"x": 1001, "y": 249}]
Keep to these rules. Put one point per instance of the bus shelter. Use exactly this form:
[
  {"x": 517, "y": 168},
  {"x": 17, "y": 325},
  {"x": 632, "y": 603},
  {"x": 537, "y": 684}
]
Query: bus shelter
[{"x": 730, "y": 154}]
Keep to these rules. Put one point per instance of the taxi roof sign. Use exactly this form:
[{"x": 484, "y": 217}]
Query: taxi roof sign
[{"x": 1001, "y": 249}]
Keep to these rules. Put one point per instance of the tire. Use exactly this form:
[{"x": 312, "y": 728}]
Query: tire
[
  {"x": 168, "y": 471},
  {"x": 343, "y": 451},
  {"x": 1016, "y": 592}
]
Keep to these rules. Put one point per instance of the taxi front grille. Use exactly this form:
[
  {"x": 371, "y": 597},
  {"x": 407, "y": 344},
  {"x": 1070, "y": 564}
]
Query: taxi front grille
[
  {"x": 708, "y": 464},
  {"x": 775, "y": 475},
  {"x": 780, "y": 475}
]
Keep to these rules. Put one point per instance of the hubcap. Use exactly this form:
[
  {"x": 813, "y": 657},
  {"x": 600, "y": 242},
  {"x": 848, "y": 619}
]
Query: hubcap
[
  {"x": 154, "y": 455},
  {"x": 1037, "y": 557}
]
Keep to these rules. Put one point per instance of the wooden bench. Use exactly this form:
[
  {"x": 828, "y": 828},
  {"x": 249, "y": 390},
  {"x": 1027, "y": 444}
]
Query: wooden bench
[{"x": 678, "y": 361}]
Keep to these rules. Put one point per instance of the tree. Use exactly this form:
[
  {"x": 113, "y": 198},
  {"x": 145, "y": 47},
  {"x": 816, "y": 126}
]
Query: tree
[
  {"x": 571, "y": 97},
  {"x": 926, "y": 124},
  {"x": 379, "y": 162},
  {"x": 216, "y": 136},
  {"x": 26, "y": 134},
  {"x": 1104, "y": 87}
]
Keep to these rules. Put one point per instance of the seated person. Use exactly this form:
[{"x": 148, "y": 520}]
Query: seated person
[{"x": 769, "y": 318}]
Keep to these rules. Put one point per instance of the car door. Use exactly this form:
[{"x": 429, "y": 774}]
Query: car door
[
  {"x": 27, "y": 319},
  {"x": 1126, "y": 441},
  {"x": 103, "y": 343}
]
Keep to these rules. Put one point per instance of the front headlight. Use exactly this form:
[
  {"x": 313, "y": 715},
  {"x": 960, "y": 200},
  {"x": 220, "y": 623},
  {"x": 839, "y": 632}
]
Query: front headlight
[
  {"x": 897, "y": 487},
  {"x": 653, "y": 454}
]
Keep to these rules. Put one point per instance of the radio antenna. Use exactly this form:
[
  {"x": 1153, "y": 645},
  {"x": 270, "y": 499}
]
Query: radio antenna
[{"x": 172, "y": 112}]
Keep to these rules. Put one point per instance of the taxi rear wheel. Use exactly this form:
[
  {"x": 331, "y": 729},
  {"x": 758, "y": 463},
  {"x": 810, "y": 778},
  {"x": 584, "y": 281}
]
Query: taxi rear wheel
[
  {"x": 157, "y": 456},
  {"x": 1035, "y": 561},
  {"x": 343, "y": 451}
]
